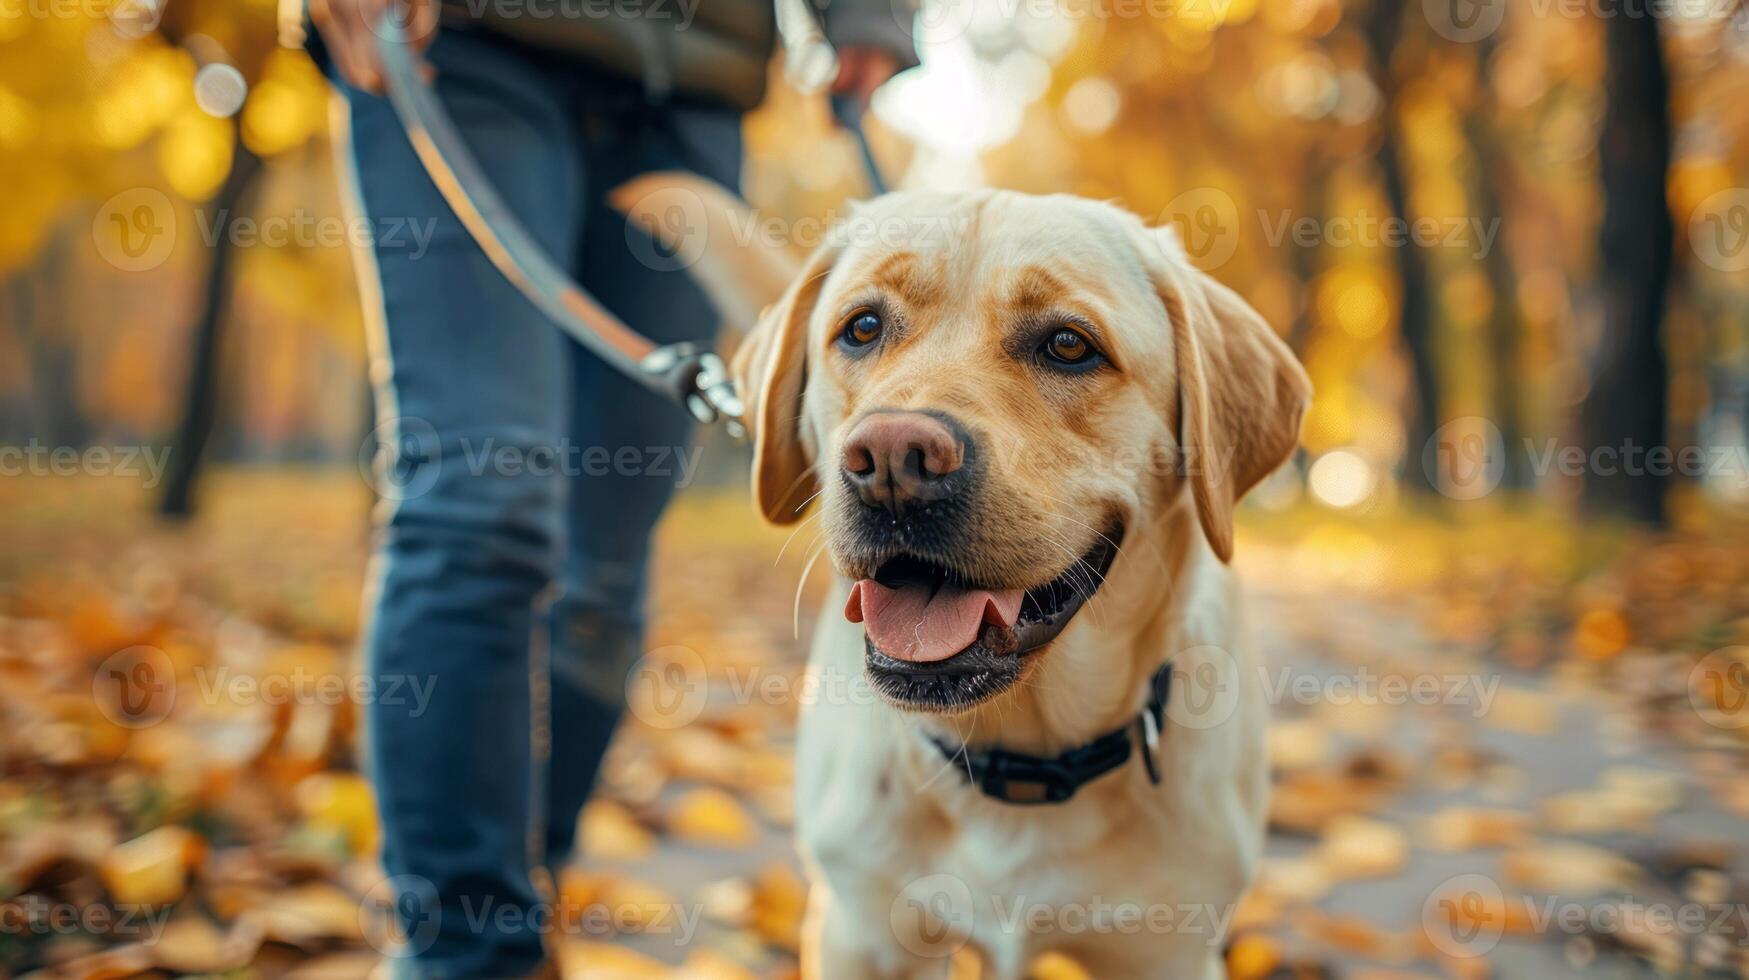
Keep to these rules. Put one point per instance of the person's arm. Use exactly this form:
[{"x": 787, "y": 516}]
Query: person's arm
[
  {"x": 347, "y": 33},
  {"x": 873, "y": 39}
]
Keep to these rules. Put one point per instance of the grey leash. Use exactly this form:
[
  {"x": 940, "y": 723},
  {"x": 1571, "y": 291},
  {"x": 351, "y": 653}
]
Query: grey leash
[{"x": 687, "y": 373}]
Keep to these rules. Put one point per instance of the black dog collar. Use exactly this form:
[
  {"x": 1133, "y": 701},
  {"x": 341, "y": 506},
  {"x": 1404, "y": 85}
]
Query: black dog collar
[{"x": 1014, "y": 777}]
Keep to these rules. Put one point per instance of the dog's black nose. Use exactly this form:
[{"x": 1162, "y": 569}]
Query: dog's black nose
[{"x": 897, "y": 460}]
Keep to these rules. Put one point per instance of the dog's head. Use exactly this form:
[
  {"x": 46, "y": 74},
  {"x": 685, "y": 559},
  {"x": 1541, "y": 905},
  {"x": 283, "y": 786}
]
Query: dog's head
[{"x": 988, "y": 393}]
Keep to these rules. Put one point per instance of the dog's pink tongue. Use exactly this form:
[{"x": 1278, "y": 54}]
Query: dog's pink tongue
[{"x": 911, "y": 623}]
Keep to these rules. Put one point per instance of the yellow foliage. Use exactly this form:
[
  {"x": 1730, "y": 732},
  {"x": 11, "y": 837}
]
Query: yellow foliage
[{"x": 195, "y": 153}]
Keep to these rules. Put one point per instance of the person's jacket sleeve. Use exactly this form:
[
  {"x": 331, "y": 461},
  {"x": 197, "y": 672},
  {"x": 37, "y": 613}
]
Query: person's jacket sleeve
[{"x": 886, "y": 24}]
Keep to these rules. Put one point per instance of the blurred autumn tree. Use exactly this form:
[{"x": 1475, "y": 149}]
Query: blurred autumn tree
[
  {"x": 1539, "y": 309},
  {"x": 232, "y": 52},
  {"x": 1540, "y": 148},
  {"x": 117, "y": 122}
]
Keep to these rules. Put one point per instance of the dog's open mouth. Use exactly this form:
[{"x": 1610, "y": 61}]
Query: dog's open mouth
[{"x": 937, "y": 642}]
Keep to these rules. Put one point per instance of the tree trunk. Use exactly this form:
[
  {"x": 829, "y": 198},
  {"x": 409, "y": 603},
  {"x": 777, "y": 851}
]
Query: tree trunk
[
  {"x": 1415, "y": 318},
  {"x": 201, "y": 392},
  {"x": 1624, "y": 413},
  {"x": 1493, "y": 183}
]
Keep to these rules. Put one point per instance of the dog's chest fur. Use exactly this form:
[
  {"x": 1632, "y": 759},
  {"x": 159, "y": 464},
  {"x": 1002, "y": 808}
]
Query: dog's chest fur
[{"x": 1130, "y": 877}]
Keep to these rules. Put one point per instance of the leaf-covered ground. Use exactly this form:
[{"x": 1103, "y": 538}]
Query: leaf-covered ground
[{"x": 1504, "y": 746}]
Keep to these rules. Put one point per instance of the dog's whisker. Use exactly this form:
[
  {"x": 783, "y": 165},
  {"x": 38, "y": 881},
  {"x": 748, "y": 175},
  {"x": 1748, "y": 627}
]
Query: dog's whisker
[
  {"x": 1080, "y": 577},
  {"x": 793, "y": 484},
  {"x": 809, "y": 500},
  {"x": 964, "y": 754},
  {"x": 1069, "y": 503},
  {"x": 1153, "y": 547},
  {"x": 796, "y": 613},
  {"x": 1080, "y": 573},
  {"x": 792, "y": 535},
  {"x": 946, "y": 766}
]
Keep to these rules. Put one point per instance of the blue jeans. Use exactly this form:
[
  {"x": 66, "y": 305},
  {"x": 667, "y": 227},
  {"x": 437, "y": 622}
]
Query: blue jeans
[{"x": 510, "y": 571}]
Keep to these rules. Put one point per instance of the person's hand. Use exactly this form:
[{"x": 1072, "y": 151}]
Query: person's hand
[
  {"x": 348, "y": 28},
  {"x": 861, "y": 70}
]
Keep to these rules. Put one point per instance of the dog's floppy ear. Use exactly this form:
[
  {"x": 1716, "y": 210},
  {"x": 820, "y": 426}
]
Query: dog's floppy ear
[
  {"x": 1241, "y": 392},
  {"x": 771, "y": 369}
]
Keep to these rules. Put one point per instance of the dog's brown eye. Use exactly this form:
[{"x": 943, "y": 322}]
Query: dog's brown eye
[
  {"x": 1068, "y": 347},
  {"x": 862, "y": 330}
]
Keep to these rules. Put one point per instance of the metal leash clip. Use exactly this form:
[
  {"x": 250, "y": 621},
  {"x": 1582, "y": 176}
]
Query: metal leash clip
[{"x": 702, "y": 380}]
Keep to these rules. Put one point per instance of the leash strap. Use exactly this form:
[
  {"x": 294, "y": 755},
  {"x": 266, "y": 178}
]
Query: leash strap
[
  {"x": 687, "y": 373},
  {"x": 849, "y": 114},
  {"x": 1015, "y": 777}
]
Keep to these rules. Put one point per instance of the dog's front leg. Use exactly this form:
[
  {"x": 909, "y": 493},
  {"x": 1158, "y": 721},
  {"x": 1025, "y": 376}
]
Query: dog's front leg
[{"x": 840, "y": 942}]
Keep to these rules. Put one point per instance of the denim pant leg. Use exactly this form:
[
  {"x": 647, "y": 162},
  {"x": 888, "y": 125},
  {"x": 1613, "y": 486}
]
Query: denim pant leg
[
  {"x": 472, "y": 381},
  {"x": 598, "y": 619}
]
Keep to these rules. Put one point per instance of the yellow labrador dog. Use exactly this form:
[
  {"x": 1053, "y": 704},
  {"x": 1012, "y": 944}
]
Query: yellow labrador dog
[{"x": 1025, "y": 423}]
